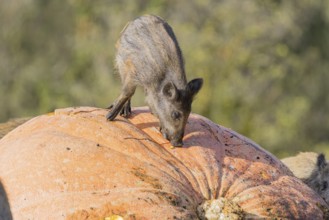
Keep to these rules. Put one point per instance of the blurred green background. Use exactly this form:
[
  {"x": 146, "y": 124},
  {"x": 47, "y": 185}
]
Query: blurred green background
[{"x": 265, "y": 62}]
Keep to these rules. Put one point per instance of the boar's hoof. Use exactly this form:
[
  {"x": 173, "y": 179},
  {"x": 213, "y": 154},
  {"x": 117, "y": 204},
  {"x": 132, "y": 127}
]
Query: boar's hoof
[
  {"x": 110, "y": 116},
  {"x": 126, "y": 111}
]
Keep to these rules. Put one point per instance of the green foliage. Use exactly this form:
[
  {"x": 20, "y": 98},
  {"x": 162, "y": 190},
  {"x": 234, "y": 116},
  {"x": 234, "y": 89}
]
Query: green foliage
[{"x": 264, "y": 62}]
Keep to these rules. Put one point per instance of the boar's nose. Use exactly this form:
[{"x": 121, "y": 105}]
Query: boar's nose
[
  {"x": 177, "y": 140},
  {"x": 176, "y": 143}
]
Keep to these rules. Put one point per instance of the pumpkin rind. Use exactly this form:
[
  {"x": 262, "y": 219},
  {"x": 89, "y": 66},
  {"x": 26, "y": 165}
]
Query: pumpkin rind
[{"x": 75, "y": 164}]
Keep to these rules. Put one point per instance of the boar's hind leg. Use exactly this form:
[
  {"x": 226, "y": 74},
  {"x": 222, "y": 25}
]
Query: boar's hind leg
[{"x": 122, "y": 103}]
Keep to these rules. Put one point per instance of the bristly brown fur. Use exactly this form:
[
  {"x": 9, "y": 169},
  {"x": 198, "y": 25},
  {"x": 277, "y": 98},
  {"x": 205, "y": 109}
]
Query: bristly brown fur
[{"x": 148, "y": 55}]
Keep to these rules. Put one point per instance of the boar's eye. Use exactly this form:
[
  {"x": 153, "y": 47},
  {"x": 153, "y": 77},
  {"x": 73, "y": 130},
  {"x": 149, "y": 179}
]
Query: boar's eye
[{"x": 176, "y": 115}]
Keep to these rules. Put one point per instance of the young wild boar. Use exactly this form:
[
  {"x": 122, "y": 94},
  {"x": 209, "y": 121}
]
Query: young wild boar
[
  {"x": 312, "y": 169},
  {"x": 148, "y": 55}
]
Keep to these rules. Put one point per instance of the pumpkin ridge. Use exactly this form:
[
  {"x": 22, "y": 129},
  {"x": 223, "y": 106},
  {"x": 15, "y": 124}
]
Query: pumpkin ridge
[
  {"x": 233, "y": 178},
  {"x": 200, "y": 178},
  {"x": 186, "y": 172},
  {"x": 266, "y": 192},
  {"x": 238, "y": 187},
  {"x": 203, "y": 128},
  {"x": 209, "y": 155}
]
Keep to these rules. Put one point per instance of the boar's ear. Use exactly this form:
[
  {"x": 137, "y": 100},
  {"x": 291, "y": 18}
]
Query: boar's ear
[
  {"x": 170, "y": 90},
  {"x": 194, "y": 86},
  {"x": 321, "y": 162}
]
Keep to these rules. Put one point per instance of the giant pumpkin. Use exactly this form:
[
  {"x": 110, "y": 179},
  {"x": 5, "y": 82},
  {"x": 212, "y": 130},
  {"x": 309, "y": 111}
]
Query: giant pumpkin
[{"x": 75, "y": 164}]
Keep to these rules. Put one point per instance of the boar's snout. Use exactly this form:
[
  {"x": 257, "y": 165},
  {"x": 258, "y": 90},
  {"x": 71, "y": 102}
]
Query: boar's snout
[
  {"x": 177, "y": 143},
  {"x": 176, "y": 140}
]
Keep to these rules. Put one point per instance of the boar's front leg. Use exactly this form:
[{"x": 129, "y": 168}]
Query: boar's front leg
[
  {"x": 122, "y": 103},
  {"x": 126, "y": 110}
]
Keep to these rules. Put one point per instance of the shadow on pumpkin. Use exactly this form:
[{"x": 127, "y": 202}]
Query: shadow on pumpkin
[
  {"x": 5, "y": 212},
  {"x": 210, "y": 135},
  {"x": 143, "y": 126},
  {"x": 200, "y": 131}
]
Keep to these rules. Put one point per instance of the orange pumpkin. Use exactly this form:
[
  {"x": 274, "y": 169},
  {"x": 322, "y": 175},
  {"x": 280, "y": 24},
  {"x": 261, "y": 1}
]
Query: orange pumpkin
[{"x": 75, "y": 164}]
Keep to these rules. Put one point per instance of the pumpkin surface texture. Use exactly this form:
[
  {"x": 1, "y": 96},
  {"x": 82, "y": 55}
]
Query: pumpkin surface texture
[{"x": 74, "y": 164}]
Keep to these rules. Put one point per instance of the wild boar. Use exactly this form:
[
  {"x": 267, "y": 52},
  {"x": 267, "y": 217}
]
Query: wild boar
[
  {"x": 312, "y": 169},
  {"x": 148, "y": 55}
]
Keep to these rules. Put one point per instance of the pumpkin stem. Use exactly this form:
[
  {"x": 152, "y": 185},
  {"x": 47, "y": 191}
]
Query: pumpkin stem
[{"x": 221, "y": 208}]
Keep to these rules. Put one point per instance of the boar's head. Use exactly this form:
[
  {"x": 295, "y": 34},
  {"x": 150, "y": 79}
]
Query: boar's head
[{"x": 173, "y": 107}]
